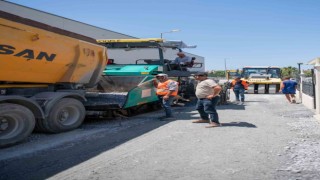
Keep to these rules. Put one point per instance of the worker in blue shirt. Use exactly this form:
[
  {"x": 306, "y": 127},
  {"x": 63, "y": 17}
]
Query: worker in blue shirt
[
  {"x": 181, "y": 61},
  {"x": 288, "y": 88}
]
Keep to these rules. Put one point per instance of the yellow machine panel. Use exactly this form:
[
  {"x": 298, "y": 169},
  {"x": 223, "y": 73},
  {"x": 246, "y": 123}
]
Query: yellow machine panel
[
  {"x": 262, "y": 79},
  {"x": 129, "y": 40}
]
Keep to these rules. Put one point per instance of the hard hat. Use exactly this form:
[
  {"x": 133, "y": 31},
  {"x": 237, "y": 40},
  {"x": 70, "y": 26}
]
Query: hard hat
[
  {"x": 162, "y": 74},
  {"x": 201, "y": 74}
]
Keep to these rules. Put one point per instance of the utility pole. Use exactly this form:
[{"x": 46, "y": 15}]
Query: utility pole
[
  {"x": 301, "y": 78},
  {"x": 225, "y": 67},
  {"x": 173, "y": 30}
]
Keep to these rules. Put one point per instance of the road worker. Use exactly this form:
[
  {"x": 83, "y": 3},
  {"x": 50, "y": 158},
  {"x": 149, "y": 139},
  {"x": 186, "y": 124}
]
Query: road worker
[
  {"x": 239, "y": 86},
  {"x": 288, "y": 88},
  {"x": 167, "y": 89},
  {"x": 208, "y": 94}
]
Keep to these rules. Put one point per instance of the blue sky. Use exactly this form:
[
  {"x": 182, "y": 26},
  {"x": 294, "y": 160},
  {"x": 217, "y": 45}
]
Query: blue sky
[{"x": 238, "y": 32}]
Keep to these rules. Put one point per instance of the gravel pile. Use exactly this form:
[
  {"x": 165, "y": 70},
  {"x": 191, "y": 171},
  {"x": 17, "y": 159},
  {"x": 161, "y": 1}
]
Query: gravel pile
[{"x": 302, "y": 155}]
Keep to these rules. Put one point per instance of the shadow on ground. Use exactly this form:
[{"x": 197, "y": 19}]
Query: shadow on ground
[
  {"x": 239, "y": 124},
  {"x": 49, "y": 162},
  {"x": 231, "y": 106}
]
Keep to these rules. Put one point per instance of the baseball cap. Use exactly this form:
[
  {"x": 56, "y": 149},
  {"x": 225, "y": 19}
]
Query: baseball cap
[{"x": 201, "y": 74}]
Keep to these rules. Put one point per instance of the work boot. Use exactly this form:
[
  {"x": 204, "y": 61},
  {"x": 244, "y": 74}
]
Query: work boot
[
  {"x": 200, "y": 121},
  {"x": 213, "y": 124}
]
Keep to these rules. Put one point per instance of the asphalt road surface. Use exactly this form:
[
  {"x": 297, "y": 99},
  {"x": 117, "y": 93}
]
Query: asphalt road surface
[{"x": 266, "y": 138}]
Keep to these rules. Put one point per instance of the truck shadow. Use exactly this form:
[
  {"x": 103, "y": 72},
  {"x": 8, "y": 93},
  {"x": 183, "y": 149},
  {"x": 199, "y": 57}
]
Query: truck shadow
[{"x": 72, "y": 148}]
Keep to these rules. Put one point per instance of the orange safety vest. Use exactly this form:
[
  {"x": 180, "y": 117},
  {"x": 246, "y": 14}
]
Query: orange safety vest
[
  {"x": 163, "y": 89},
  {"x": 243, "y": 83}
]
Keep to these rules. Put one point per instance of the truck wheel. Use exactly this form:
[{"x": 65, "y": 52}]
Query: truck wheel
[
  {"x": 16, "y": 123},
  {"x": 190, "y": 90},
  {"x": 228, "y": 95},
  {"x": 65, "y": 115}
]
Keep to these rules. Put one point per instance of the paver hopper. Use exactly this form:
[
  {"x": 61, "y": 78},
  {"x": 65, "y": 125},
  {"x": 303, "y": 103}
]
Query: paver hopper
[{"x": 121, "y": 92}]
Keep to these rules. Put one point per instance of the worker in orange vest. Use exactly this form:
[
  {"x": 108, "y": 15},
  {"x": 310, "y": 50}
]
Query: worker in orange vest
[
  {"x": 167, "y": 89},
  {"x": 239, "y": 86}
]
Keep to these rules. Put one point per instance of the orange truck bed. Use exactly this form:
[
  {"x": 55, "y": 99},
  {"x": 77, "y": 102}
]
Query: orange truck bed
[{"x": 31, "y": 52}]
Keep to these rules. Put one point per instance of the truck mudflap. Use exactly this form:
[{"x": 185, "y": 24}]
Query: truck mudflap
[
  {"x": 263, "y": 88},
  {"x": 272, "y": 89},
  {"x": 121, "y": 92},
  {"x": 250, "y": 89},
  {"x": 100, "y": 101}
]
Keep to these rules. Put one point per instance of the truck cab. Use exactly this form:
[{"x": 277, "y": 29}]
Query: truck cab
[{"x": 262, "y": 79}]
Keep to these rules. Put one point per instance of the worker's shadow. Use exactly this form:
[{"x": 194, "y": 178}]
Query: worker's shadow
[
  {"x": 239, "y": 124},
  {"x": 231, "y": 106}
]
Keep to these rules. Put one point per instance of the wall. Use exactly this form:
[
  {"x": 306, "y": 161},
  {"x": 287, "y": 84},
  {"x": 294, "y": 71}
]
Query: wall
[
  {"x": 306, "y": 100},
  {"x": 60, "y": 22}
]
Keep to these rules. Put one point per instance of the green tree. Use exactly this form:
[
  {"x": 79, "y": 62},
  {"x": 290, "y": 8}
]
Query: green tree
[
  {"x": 289, "y": 71},
  {"x": 307, "y": 73},
  {"x": 218, "y": 73}
]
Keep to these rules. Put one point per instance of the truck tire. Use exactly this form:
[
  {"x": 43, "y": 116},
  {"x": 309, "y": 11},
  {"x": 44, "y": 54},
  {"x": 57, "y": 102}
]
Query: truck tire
[
  {"x": 67, "y": 114},
  {"x": 190, "y": 90},
  {"x": 228, "y": 95},
  {"x": 16, "y": 123}
]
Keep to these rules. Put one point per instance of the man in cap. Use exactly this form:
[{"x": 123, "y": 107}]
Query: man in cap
[
  {"x": 181, "y": 61},
  {"x": 167, "y": 89},
  {"x": 207, "y": 92}
]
